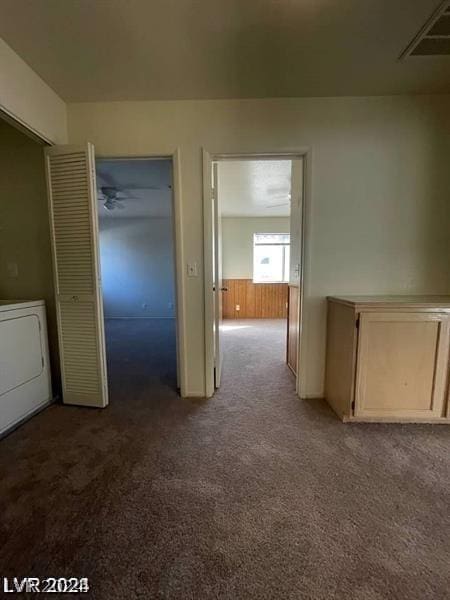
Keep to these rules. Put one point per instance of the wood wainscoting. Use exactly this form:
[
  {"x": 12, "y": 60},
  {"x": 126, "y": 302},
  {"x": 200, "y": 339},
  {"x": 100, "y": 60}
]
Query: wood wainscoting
[{"x": 255, "y": 300}]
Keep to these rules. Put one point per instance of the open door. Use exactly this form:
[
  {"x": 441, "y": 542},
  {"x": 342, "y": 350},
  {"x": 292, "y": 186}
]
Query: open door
[
  {"x": 295, "y": 268},
  {"x": 218, "y": 283},
  {"x": 74, "y": 228}
]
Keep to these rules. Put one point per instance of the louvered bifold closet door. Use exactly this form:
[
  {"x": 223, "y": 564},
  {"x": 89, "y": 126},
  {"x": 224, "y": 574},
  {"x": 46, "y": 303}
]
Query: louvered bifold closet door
[{"x": 74, "y": 227}]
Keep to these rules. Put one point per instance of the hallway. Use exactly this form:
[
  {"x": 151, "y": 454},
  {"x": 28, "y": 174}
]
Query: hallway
[
  {"x": 254, "y": 361},
  {"x": 253, "y": 494}
]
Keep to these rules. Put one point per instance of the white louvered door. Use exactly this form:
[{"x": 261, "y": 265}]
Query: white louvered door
[{"x": 74, "y": 226}]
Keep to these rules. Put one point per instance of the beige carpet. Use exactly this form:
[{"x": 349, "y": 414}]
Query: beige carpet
[{"x": 251, "y": 495}]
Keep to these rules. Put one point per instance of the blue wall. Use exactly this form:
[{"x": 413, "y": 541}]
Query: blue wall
[{"x": 137, "y": 261}]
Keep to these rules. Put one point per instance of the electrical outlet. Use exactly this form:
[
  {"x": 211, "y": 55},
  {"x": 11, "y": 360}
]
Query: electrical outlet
[
  {"x": 144, "y": 306},
  {"x": 238, "y": 307}
]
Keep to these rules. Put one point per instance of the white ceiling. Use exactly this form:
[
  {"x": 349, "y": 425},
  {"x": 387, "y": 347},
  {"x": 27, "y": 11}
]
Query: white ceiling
[
  {"x": 94, "y": 50},
  {"x": 254, "y": 188},
  {"x": 133, "y": 178}
]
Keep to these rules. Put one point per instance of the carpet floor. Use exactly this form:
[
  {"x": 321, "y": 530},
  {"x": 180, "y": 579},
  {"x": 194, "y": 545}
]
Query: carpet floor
[{"x": 253, "y": 494}]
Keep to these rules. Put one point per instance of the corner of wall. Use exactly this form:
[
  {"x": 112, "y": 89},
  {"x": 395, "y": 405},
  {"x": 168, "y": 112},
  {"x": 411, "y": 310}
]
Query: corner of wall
[{"x": 26, "y": 98}]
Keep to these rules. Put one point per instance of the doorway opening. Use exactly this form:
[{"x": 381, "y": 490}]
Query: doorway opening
[
  {"x": 137, "y": 256},
  {"x": 253, "y": 264}
]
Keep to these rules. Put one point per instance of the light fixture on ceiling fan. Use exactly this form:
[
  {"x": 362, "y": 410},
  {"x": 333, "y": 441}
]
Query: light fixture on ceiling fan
[{"x": 110, "y": 198}]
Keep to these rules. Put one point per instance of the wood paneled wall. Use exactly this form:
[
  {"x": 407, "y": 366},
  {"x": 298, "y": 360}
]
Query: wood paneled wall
[{"x": 256, "y": 300}]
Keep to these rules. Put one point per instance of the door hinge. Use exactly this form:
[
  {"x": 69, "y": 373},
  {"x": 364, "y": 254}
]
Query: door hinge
[
  {"x": 357, "y": 323},
  {"x": 42, "y": 361},
  {"x": 353, "y": 406}
]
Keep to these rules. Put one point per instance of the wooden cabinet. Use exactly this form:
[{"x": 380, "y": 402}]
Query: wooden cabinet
[{"x": 388, "y": 358}]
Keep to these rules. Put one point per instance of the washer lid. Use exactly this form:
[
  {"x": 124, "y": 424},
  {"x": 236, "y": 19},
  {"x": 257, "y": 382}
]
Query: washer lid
[{"x": 16, "y": 304}]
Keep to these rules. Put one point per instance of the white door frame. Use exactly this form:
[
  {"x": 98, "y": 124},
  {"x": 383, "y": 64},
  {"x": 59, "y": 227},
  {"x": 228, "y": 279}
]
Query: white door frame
[
  {"x": 23, "y": 127},
  {"x": 304, "y": 275},
  {"x": 180, "y": 297}
]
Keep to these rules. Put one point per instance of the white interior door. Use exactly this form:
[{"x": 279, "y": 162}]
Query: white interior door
[
  {"x": 295, "y": 262},
  {"x": 218, "y": 283},
  {"x": 74, "y": 228}
]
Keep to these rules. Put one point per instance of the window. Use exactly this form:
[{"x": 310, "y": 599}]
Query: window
[{"x": 271, "y": 257}]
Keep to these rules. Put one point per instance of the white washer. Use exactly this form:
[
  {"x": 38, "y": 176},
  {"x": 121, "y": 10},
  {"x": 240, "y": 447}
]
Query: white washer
[{"x": 25, "y": 384}]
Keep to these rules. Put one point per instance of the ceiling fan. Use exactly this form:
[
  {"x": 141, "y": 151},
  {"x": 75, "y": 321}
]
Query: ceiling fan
[
  {"x": 113, "y": 196},
  {"x": 110, "y": 198}
]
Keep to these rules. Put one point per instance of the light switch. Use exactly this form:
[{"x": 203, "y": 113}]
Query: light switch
[{"x": 192, "y": 269}]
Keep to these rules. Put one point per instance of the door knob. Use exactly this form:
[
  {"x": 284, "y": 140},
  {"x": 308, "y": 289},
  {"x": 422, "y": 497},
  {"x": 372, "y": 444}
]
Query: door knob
[{"x": 224, "y": 289}]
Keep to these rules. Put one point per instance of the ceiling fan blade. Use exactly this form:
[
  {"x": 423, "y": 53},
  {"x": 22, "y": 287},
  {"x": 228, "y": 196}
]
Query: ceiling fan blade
[
  {"x": 131, "y": 187},
  {"x": 277, "y": 190},
  {"x": 277, "y": 205},
  {"x": 124, "y": 196},
  {"x": 104, "y": 179}
]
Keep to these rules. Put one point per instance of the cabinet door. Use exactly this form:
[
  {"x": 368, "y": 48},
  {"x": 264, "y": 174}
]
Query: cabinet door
[{"x": 402, "y": 365}]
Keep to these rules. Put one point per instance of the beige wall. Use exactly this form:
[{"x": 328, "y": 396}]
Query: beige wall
[
  {"x": 24, "y": 228},
  {"x": 237, "y": 242},
  {"x": 379, "y": 212},
  {"x": 25, "y": 96}
]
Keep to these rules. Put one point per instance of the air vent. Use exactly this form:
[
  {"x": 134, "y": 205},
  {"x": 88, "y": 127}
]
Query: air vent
[{"x": 434, "y": 38}]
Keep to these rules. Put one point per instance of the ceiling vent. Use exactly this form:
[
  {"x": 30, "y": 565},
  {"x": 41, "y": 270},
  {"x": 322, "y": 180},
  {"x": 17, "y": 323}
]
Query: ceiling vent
[{"x": 434, "y": 38}]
